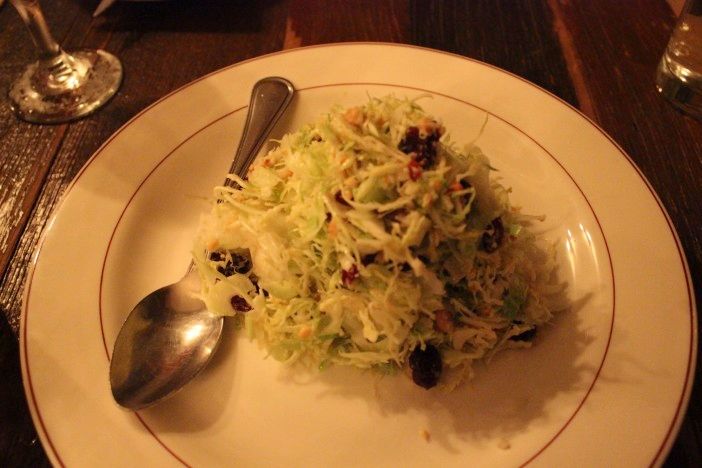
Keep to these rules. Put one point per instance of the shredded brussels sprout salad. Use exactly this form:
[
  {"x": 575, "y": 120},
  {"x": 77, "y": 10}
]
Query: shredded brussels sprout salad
[{"x": 369, "y": 239}]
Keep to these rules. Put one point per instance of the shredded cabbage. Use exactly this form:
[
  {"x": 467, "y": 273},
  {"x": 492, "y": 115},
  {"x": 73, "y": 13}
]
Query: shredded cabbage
[{"x": 368, "y": 235}]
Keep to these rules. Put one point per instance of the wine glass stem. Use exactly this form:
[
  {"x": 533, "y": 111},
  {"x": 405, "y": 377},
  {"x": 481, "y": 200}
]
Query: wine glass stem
[{"x": 31, "y": 14}]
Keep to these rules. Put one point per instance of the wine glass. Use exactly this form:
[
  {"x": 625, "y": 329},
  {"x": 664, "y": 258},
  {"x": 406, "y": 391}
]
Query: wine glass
[{"x": 61, "y": 86}]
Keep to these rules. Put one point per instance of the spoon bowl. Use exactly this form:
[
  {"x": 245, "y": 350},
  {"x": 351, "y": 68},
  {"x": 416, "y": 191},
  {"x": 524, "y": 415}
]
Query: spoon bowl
[
  {"x": 170, "y": 336},
  {"x": 166, "y": 341}
]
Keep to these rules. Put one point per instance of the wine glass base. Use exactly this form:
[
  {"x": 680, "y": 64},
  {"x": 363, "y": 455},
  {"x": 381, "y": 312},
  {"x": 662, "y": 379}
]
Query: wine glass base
[{"x": 85, "y": 83}]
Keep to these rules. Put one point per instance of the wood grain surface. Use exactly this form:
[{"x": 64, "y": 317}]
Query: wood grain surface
[{"x": 597, "y": 55}]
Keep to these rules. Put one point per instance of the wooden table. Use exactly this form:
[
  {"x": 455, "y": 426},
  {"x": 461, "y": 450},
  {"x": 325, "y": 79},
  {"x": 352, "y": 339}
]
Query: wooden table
[{"x": 598, "y": 55}]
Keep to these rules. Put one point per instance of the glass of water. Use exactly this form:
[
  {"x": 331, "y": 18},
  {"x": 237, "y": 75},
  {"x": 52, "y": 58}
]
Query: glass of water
[
  {"x": 60, "y": 86},
  {"x": 679, "y": 74}
]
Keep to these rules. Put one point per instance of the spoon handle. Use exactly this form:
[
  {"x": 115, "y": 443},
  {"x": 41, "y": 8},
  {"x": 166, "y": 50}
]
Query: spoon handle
[{"x": 269, "y": 98}]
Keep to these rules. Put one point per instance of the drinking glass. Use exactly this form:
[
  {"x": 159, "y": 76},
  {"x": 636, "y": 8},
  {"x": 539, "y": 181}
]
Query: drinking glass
[
  {"x": 61, "y": 86},
  {"x": 679, "y": 74}
]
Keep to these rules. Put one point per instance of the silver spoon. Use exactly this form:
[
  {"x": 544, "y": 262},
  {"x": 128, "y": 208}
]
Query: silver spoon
[{"x": 170, "y": 336}]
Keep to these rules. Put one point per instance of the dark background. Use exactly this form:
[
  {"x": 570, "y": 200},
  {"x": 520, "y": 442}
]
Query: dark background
[{"x": 597, "y": 55}]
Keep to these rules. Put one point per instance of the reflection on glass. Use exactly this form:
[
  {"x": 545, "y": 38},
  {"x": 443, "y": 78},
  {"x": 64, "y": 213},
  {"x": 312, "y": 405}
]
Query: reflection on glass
[{"x": 60, "y": 87}]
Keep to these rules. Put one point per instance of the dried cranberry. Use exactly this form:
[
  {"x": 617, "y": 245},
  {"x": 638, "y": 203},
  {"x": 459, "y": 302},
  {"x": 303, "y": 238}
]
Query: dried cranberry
[
  {"x": 239, "y": 304},
  {"x": 216, "y": 256},
  {"x": 410, "y": 142},
  {"x": 347, "y": 276},
  {"x": 415, "y": 170},
  {"x": 238, "y": 263},
  {"x": 426, "y": 366},
  {"x": 227, "y": 269},
  {"x": 254, "y": 279},
  {"x": 241, "y": 263},
  {"x": 423, "y": 150},
  {"x": 491, "y": 239}
]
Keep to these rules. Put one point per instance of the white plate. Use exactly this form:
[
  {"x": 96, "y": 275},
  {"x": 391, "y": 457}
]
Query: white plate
[{"x": 607, "y": 384}]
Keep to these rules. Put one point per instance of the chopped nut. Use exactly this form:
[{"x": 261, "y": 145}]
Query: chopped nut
[
  {"x": 332, "y": 230},
  {"x": 351, "y": 182},
  {"x": 443, "y": 321},
  {"x": 428, "y": 126},
  {"x": 304, "y": 333},
  {"x": 354, "y": 116}
]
